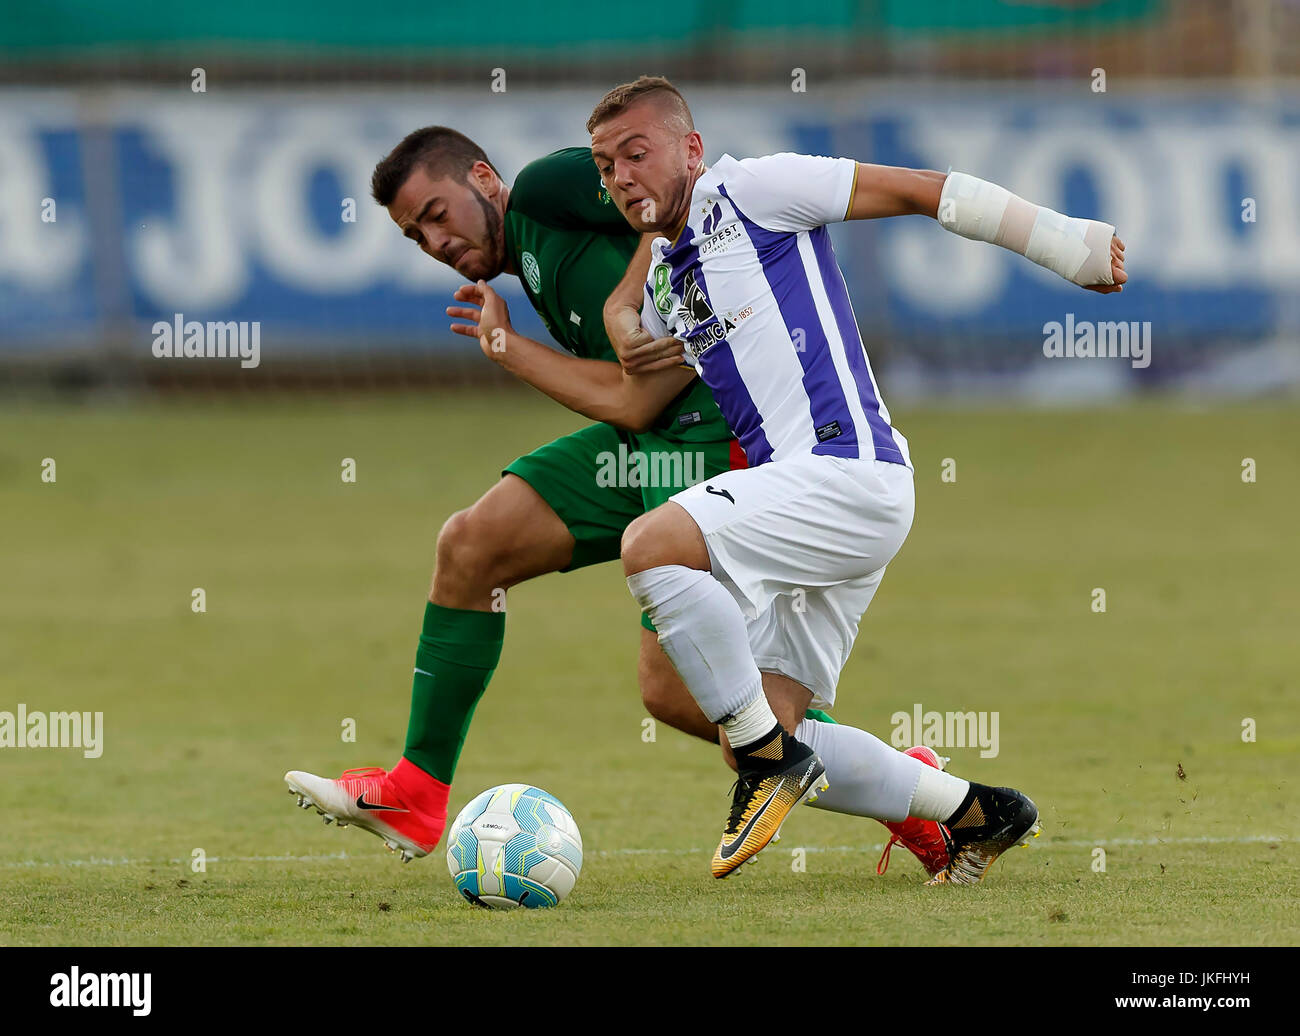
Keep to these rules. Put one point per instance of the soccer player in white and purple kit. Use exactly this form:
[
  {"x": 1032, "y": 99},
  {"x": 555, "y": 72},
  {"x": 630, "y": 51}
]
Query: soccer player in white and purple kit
[{"x": 770, "y": 568}]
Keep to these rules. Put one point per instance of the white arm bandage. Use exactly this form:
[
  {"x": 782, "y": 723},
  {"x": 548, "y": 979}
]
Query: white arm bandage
[{"x": 1076, "y": 249}]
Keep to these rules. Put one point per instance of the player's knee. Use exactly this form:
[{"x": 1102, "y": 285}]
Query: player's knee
[
  {"x": 464, "y": 549},
  {"x": 667, "y": 535},
  {"x": 638, "y": 547},
  {"x": 451, "y": 538},
  {"x": 629, "y": 547}
]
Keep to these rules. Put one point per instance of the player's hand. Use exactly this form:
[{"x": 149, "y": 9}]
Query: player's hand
[
  {"x": 491, "y": 320},
  {"x": 638, "y": 351},
  {"x": 1117, "y": 273}
]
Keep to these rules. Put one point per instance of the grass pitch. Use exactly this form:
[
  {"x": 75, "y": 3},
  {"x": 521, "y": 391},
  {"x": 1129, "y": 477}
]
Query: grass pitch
[{"x": 314, "y": 593}]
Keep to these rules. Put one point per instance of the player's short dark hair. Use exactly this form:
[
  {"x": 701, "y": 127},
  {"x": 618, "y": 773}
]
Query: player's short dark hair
[
  {"x": 624, "y": 95},
  {"x": 441, "y": 151}
]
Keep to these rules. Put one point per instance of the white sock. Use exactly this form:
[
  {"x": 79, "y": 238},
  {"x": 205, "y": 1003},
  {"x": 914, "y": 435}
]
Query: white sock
[
  {"x": 868, "y": 778},
  {"x": 702, "y": 631},
  {"x": 938, "y": 794}
]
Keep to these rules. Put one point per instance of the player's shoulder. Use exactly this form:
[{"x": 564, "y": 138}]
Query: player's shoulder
[
  {"x": 753, "y": 180},
  {"x": 567, "y": 171},
  {"x": 787, "y": 191},
  {"x": 779, "y": 165}
]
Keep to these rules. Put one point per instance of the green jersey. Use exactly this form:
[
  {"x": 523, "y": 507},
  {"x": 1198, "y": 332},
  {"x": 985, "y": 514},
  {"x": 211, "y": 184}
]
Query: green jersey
[{"x": 571, "y": 246}]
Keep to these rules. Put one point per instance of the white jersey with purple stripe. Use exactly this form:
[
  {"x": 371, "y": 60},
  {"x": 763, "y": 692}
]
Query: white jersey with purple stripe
[{"x": 752, "y": 288}]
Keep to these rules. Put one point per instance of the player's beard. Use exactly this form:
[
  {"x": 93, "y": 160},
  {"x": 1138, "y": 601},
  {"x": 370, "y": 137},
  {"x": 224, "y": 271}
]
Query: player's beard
[{"x": 493, "y": 248}]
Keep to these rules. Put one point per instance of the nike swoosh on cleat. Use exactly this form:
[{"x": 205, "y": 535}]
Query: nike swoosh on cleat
[
  {"x": 363, "y": 804},
  {"x": 726, "y": 852}
]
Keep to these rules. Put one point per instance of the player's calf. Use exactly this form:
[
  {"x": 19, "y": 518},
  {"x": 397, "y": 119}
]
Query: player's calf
[{"x": 664, "y": 695}]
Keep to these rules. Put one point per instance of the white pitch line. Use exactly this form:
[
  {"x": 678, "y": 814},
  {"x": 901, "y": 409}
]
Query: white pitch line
[
  {"x": 125, "y": 861},
  {"x": 1069, "y": 844},
  {"x": 1081, "y": 843}
]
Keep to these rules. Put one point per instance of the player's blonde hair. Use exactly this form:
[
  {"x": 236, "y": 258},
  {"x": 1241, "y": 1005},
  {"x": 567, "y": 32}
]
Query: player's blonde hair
[{"x": 623, "y": 96}]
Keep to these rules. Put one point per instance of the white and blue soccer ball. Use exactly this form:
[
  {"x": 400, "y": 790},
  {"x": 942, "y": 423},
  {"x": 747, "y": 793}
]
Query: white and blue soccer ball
[{"x": 514, "y": 845}]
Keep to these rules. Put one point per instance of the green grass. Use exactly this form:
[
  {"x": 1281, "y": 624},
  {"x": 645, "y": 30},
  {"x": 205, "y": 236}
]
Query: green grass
[{"x": 314, "y": 597}]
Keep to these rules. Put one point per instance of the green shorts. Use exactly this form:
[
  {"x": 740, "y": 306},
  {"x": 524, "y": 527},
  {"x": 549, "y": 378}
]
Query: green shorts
[{"x": 599, "y": 479}]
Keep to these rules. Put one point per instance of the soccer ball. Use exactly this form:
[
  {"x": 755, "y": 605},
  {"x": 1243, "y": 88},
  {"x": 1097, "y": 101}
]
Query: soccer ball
[{"x": 514, "y": 845}]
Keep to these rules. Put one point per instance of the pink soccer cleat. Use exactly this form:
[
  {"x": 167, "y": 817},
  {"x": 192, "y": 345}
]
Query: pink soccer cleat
[
  {"x": 927, "y": 839},
  {"x": 406, "y": 807}
]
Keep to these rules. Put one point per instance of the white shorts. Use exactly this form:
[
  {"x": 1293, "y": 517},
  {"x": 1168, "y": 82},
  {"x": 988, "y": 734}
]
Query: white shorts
[{"x": 802, "y": 544}]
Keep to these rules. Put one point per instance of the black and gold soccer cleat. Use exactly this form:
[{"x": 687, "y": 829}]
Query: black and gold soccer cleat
[
  {"x": 773, "y": 777},
  {"x": 988, "y": 823}
]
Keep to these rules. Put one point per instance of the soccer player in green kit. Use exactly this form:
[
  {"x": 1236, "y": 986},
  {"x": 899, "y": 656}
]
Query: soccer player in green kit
[{"x": 558, "y": 231}]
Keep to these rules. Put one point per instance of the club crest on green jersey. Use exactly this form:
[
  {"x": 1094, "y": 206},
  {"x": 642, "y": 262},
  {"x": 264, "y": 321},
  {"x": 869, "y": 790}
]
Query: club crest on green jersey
[
  {"x": 532, "y": 272},
  {"x": 663, "y": 288}
]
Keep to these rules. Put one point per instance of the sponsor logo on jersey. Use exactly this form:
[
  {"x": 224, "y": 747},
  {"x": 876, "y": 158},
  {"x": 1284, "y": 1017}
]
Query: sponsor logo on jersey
[
  {"x": 696, "y": 320},
  {"x": 663, "y": 290},
  {"x": 695, "y": 308},
  {"x": 532, "y": 272},
  {"x": 698, "y": 344}
]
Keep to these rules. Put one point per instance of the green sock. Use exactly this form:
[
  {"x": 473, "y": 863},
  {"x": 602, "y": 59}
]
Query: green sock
[
  {"x": 817, "y": 714},
  {"x": 459, "y": 651}
]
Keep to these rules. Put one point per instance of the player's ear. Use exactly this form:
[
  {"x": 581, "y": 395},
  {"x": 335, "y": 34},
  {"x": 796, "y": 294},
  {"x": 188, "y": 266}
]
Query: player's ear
[
  {"x": 484, "y": 177},
  {"x": 694, "y": 149}
]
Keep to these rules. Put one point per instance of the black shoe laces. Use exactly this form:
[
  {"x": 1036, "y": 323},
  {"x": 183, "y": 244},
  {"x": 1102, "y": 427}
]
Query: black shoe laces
[{"x": 740, "y": 795}]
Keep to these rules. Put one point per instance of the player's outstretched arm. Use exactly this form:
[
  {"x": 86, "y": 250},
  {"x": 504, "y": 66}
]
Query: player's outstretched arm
[
  {"x": 880, "y": 191},
  {"x": 1085, "y": 251},
  {"x": 596, "y": 389}
]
